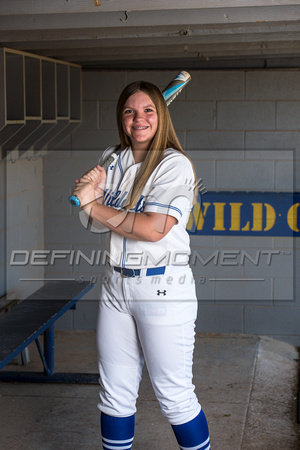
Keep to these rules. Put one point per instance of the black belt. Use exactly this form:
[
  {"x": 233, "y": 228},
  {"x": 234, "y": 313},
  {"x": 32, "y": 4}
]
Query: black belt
[{"x": 129, "y": 273}]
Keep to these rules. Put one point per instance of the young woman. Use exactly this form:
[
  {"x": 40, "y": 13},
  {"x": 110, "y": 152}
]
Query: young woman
[{"x": 148, "y": 304}]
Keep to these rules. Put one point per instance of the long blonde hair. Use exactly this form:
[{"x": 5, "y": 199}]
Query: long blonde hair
[{"x": 164, "y": 138}]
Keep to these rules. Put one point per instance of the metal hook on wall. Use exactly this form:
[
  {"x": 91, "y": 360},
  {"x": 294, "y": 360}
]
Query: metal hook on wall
[{"x": 126, "y": 16}]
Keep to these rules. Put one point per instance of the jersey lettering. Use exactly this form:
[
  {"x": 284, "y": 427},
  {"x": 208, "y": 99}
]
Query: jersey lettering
[{"x": 116, "y": 200}]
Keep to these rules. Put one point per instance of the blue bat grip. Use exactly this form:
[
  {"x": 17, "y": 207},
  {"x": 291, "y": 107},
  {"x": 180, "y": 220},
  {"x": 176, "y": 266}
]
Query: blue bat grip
[{"x": 74, "y": 200}]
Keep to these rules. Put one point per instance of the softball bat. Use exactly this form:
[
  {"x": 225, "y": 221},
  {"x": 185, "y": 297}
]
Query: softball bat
[{"x": 175, "y": 86}]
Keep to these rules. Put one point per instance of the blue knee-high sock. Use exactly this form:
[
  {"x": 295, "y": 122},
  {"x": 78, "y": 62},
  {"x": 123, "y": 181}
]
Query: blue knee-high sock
[
  {"x": 193, "y": 435},
  {"x": 117, "y": 432}
]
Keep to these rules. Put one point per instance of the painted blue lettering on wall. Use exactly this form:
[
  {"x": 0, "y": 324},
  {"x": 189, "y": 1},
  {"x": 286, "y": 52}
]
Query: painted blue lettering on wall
[{"x": 246, "y": 214}]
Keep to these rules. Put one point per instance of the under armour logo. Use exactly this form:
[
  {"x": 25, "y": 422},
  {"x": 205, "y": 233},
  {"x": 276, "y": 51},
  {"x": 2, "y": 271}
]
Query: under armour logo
[
  {"x": 161, "y": 292},
  {"x": 111, "y": 167}
]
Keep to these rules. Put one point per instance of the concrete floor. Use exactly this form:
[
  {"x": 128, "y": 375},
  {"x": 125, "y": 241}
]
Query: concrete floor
[{"x": 247, "y": 386}]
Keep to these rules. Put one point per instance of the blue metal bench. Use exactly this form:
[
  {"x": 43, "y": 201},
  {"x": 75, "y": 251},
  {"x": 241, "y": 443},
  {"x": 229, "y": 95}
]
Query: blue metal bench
[{"x": 25, "y": 322}]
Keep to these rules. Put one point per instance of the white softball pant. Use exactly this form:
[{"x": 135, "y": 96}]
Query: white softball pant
[{"x": 151, "y": 319}]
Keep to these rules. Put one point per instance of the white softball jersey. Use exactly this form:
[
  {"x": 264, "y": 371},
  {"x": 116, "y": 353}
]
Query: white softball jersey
[{"x": 169, "y": 190}]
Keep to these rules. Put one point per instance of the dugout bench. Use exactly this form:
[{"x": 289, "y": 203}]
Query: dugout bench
[{"x": 37, "y": 314}]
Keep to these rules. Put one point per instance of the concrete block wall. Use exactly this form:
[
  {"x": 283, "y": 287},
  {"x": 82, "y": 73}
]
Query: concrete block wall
[
  {"x": 22, "y": 225},
  {"x": 2, "y": 229},
  {"x": 241, "y": 129}
]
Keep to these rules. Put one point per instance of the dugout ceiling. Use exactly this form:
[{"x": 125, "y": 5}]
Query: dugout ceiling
[{"x": 108, "y": 34}]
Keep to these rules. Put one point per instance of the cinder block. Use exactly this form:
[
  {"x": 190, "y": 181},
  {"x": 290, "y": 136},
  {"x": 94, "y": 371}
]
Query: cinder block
[
  {"x": 58, "y": 154},
  {"x": 86, "y": 139},
  {"x": 88, "y": 259},
  {"x": 244, "y": 242},
  {"x": 64, "y": 144},
  {"x": 85, "y": 317},
  {"x": 94, "y": 140},
  {"x": 244, "y": 175},
  {"x": 205, "y": 170},
  {"x": 297, "y": 284},
  {"x": 32, "y": 233},
  {"x": 219, "y": 319},
  {"x": 58, "y": 260},
  {"x": 90, "y": 115},
  {"x": 198, "y": 241},
  {"x": 3, "y": 212},
  {"x": 52, "y": 157},
  {"x": 272, "y": 320},
  {"x": 3, "y": 257},
  {"x": 269, "y": 263},
  {"x": 65, "y": 322},
  {"x": 193, "y": 115},
  {"x": 297, "y": 177},
  {"x": 38, "y": 174},
  {"x": 181, "y": 135},
  {"x": 60, "y": 231},
  {"x": 275, "y": 140},
  {"x": 23, "y": 175},
  {"x": 17, "y": 210},
  {"x": 204, "y": 290},
  {"x": 13, "y": 275},
  {"x": 288, "y": 115},
  {"x": 216, "y": 264},
  {"x": 34, "y": 201},
  {"x": 87, "y": 157},
  {"x": 64, "y": 171},
  {"x": 216, "y": 85},
  {"x": 270, "y": 154},
  {"x": 78, "y": 166},
  {"x": 215, "y": 140},
  {"x": 2, "y": 179},
  {"x": 104, "y": 85},
  {"x": 2, "y": 279},
  {"x": 284, "y": 292},
  {"x": 273, "y": 85},
  {"x": 284, "y": 176},
  {"x": 17, "y": 285},
  {"x": 245, "y": 115},
  {"x": 257, "y": 290},
  {"x": 13, "y": 240},
  {"x": 284, "y": 243},
  {"x": 80, "y": 234},
  {"x": 83, "y": 233},
  {"x": 13, "y": 184},
  {"x": 215, "y": 155},
  {"x": 93, "y": 295},
  {"x": 107, "y": 119},
  {"x": 30, "y": 174}
]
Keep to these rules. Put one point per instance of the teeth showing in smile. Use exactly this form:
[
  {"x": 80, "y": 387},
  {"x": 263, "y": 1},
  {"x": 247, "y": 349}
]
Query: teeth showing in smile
[{"x": 140, "y": 128}]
